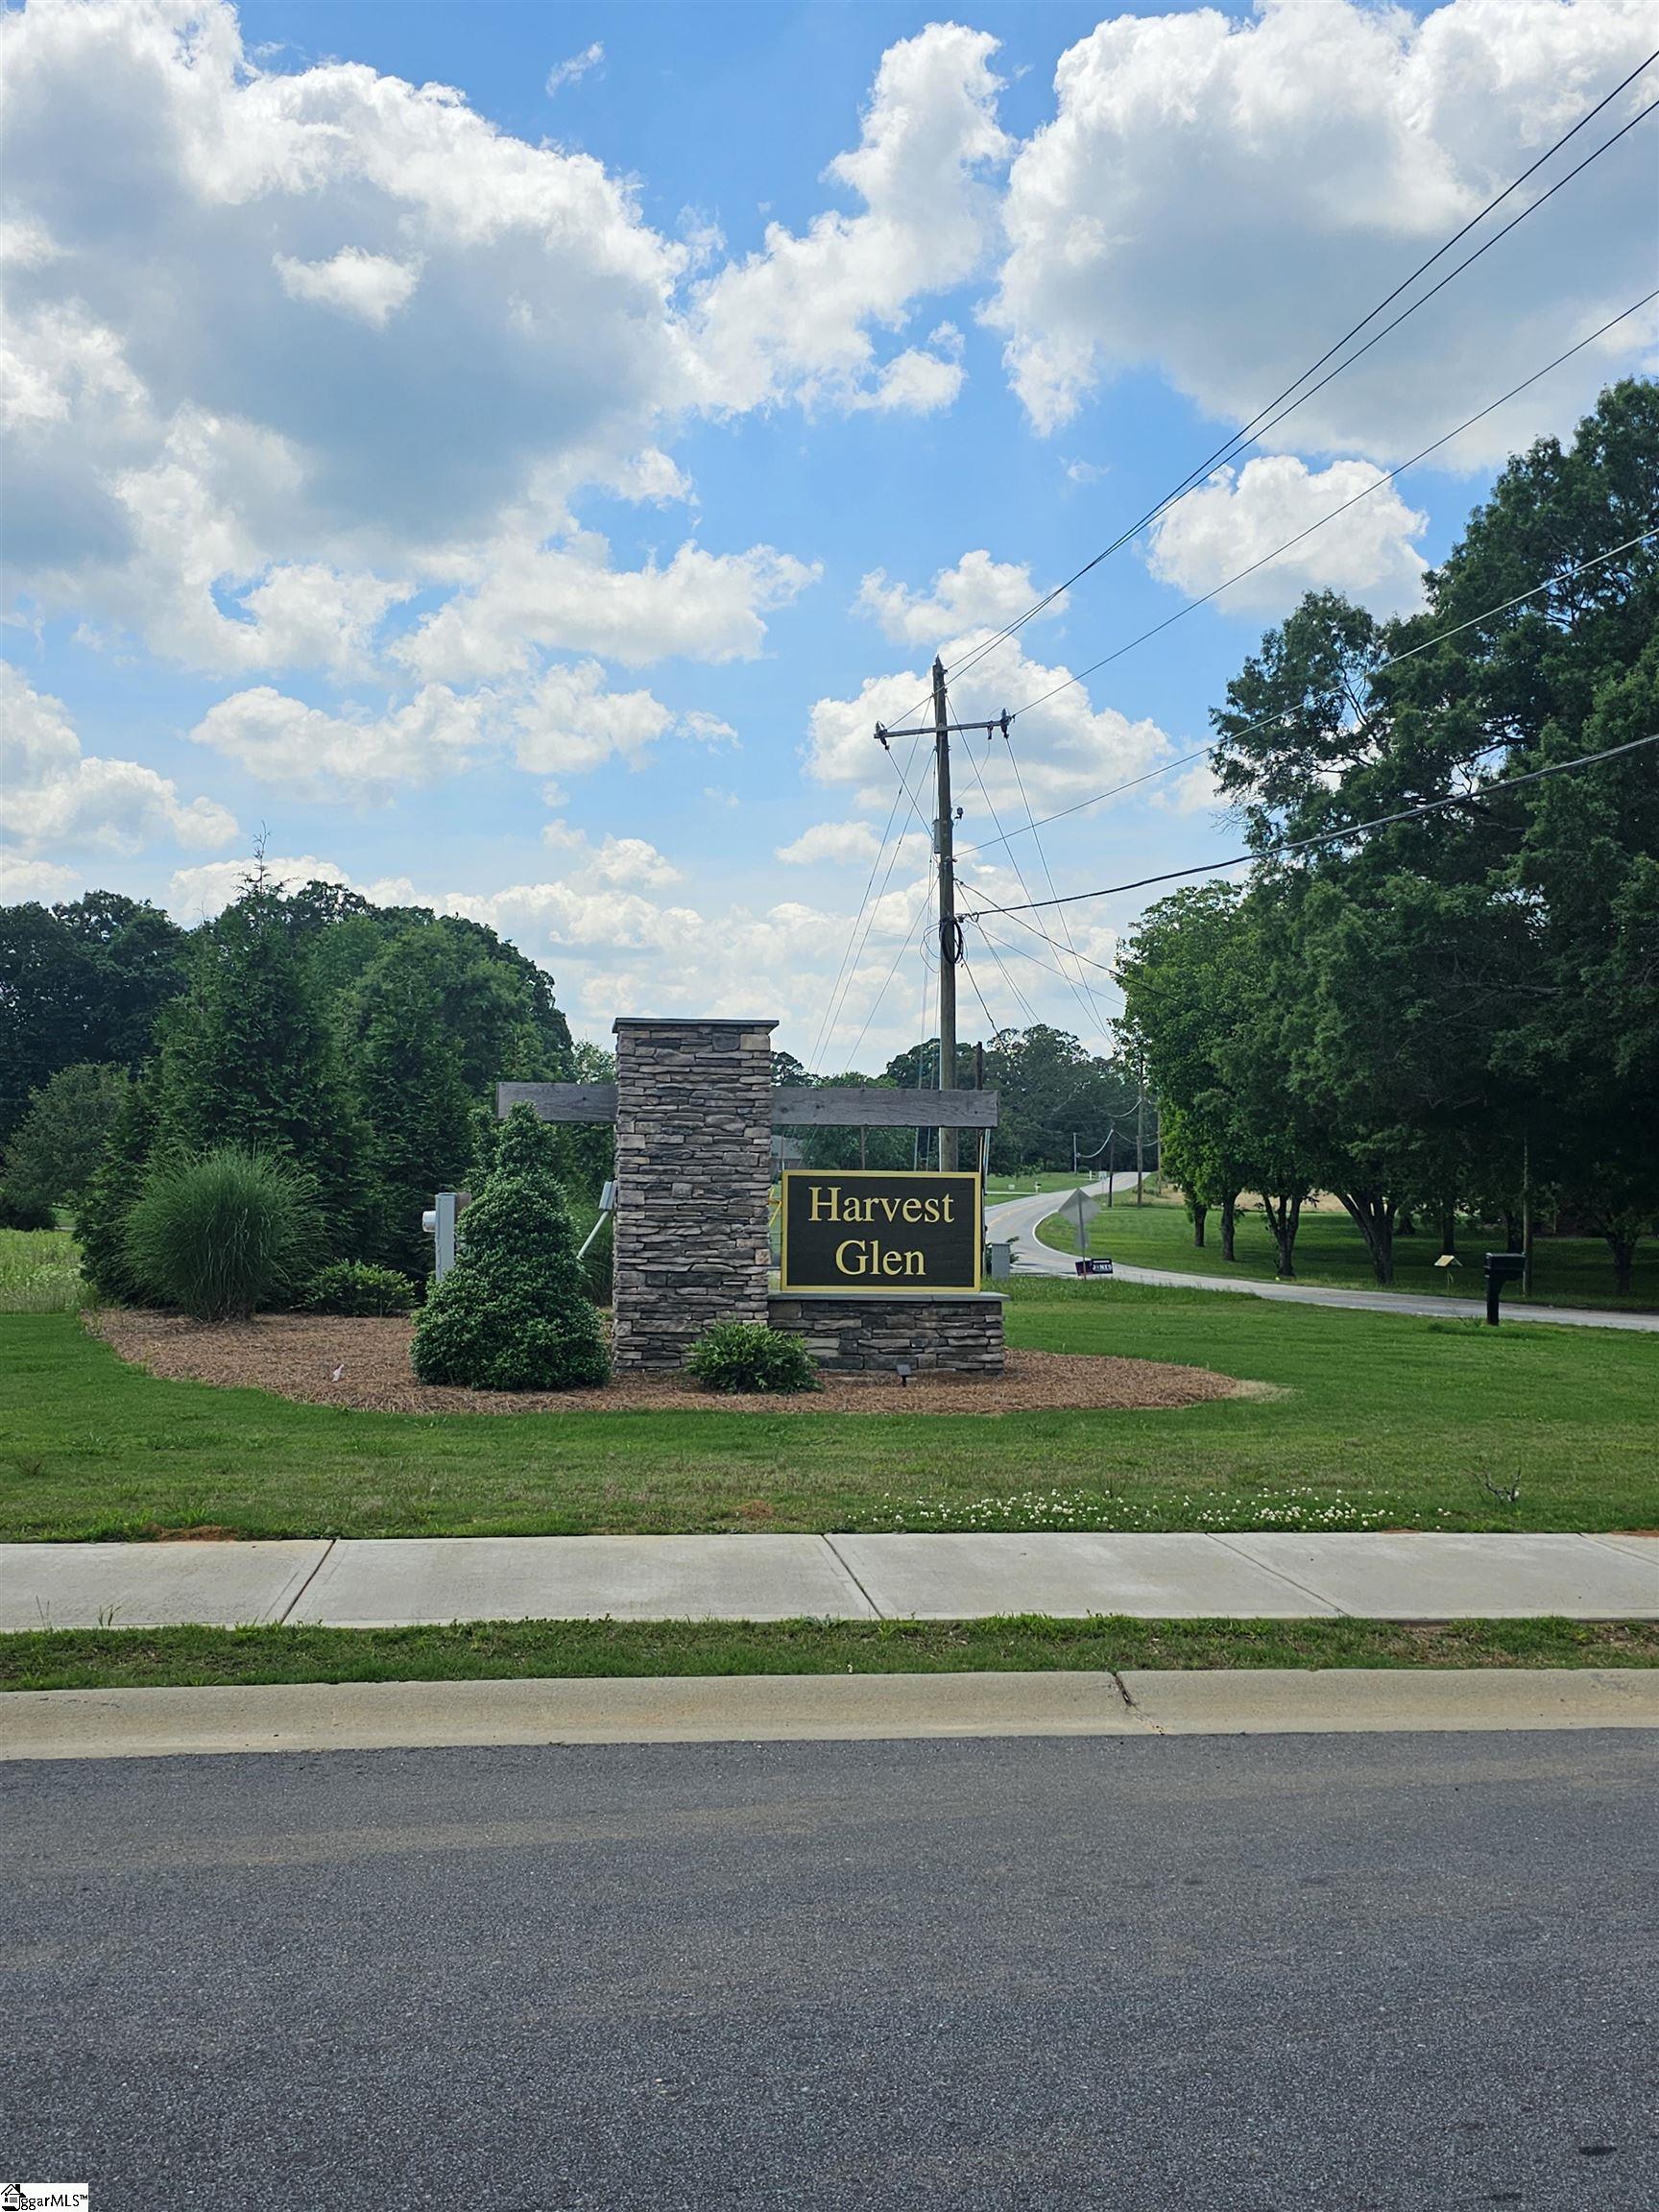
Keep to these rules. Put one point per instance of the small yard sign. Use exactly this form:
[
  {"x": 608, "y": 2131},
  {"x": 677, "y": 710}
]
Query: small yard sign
[{"x": 859, "y": 1230}]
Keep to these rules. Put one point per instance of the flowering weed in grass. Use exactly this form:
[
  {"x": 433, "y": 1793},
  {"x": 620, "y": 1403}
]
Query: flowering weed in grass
[{"x": 1100, "y": 1511}]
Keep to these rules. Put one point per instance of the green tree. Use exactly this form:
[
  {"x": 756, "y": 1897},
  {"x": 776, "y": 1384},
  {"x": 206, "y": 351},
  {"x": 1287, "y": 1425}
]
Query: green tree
[
  {"x": 79, "y": 982},
  {"x": 249, "y": 1059},
  {"x": 511, "y": 1315},
  {"x": 114, "y": 1189},
  {"x": 57, "y": 1147},
  {"x": 415, "y": 1106}
]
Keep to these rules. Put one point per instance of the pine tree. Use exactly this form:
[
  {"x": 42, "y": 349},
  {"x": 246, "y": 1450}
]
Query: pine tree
[
  {"x": 511, "y": 1313},
  {"x": 414, "y": 1102},
  {"x": 100, "y": 1220},
  {"x": 247, "y": 1059}
]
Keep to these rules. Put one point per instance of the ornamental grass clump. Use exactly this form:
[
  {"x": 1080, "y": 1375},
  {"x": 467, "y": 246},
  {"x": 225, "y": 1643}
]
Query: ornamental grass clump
[
  {"x": 512, "y": 1313},
  {"x": 739, "y": 1357},
  {"x": 224, "y": 1234}
]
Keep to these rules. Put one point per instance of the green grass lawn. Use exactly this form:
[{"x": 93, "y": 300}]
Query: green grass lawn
[
  {"x": 476, "y": 1650},
  {"x": 1567, "y": 1270},
  {"x": 1023, "y": 1185},
  {"x": 1377, "y": 1420}
]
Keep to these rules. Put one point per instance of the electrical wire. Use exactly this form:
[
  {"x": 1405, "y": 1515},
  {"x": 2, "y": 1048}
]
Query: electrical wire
[
  {"x": 1265, "y": 721},
  {"x": 1180, "y": 613},
  {"x": 833, "y": 1015},
  {"x": 1499, "y": 784},
  {"x": 887, "y": 983},
  {"x": 1268, "y": 418},
  {"x": 832, "y": 1002},
  {"x": 1090, "y": 1015}
]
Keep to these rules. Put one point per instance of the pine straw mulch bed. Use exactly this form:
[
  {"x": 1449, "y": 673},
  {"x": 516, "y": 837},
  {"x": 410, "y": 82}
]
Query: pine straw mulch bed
[{"x": 298, "y": 1356}]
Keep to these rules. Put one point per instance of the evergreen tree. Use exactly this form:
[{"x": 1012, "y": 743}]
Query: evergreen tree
[
  {"x": 414, "y": 1098},
  {"x": 248, "y": 1059},
  {"x": 511, "y": 1313},
  {"x": 116, "y": 1186}
]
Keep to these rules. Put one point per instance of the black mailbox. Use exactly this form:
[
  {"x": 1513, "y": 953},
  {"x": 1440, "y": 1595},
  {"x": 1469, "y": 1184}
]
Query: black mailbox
[{"x": 1502, "y": 1267}]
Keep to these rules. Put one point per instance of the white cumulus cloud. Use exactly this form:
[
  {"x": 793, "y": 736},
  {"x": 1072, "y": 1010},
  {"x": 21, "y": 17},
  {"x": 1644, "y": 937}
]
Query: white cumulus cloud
[
  {"x": 55, "y": 797},
  {"x": 1217, "y": 198},
  {"x": 795, "y": 320},
  {"x": 978, "y": 591},
  {"x": 371, "y": 286},
  {"x": 1234, "y": 522}
]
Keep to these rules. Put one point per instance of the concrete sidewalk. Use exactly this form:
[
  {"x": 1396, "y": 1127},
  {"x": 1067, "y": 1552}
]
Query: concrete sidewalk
[
  {"x": 823, "y": 1708},
  {"x": 1271, "y": 1575}
]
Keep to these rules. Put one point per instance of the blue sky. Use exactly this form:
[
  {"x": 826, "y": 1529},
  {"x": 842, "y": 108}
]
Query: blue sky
[{"x": 525, "y": 497}]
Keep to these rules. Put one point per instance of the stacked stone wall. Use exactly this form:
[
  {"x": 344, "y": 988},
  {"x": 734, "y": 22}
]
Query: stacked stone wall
[
  {"x": 853, "y": 1336},
  {"x": 693, "y": 1170}
]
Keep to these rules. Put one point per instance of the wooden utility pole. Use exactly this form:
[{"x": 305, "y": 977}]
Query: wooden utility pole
[
  {"x": 944, "y": 852},
  {"x": 945, "y": 845}
]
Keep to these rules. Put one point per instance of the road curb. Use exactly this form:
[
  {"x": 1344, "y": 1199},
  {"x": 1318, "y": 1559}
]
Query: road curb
[{"x": 52, "y": 1724}]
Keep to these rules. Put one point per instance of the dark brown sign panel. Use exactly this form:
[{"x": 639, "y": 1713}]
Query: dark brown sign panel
[{"x": 854, "y": 1229}]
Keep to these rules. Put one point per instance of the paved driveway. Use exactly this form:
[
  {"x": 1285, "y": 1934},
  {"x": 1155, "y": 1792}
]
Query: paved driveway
[{"x": 1017, "y": 1218}]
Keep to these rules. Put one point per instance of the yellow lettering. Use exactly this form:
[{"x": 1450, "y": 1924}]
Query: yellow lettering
[
  {"x": 892, "y": 1262},
  {"x": 946, "y": 1202},
  {"x": 913, "y": 1210},
  {"x": 845, "y": 1266},
  {"x": 828, "y": 1213},
  {"x": 930, "y": 1210},
  {"x": 913, "y": 1264}
]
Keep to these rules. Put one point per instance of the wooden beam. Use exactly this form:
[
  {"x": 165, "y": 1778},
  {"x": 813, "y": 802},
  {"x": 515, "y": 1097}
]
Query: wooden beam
[
  {"x": 873, "y": 1106},
  {"x": 852, "y": 1106},
  {"x": 559, "y": 1101}
]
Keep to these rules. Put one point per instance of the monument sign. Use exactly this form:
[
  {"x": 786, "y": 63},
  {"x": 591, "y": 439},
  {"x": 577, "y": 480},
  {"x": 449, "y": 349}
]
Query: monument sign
[
  {"x": 860, "y": 1230},
  {"x": 694, "y": 1108}
]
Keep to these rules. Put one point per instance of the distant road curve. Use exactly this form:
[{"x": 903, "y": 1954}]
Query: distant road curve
[{"x": 1016, "y": 1220}]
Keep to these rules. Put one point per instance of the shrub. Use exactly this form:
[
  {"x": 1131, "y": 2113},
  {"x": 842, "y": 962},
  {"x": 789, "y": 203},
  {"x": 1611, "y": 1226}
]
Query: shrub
[
  {"x": 20, "y": 1210},
  {"x": 511, "y": 1315},
  {"x": 225, "y": 1233},
  {"x": 357, "y": 1287},
  {"x": 744, "y": 1356}
]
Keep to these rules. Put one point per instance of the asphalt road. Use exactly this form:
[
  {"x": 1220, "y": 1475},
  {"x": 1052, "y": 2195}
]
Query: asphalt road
[
  {"x": 1257, "y": 1975},
  {"x": 1018, "y": 1219}
]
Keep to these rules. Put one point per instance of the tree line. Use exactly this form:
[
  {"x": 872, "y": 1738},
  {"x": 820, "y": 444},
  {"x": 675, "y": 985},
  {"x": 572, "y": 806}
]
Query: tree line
[
  {"x": 1051, "y": 1091},
  {"x": 1457, "y": 1012},
  {"x": 358, "y": 1044}
]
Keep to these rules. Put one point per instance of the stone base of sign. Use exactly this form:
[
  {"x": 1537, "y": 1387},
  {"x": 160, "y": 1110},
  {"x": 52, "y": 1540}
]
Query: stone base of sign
[
  {"x": 960, "y": 1336},
  {"x": 693, "y": 1163}
]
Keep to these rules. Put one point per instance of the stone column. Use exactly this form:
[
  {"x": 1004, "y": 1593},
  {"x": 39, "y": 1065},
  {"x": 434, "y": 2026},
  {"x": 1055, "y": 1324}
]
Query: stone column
[{"x": 693, "y": 1169}]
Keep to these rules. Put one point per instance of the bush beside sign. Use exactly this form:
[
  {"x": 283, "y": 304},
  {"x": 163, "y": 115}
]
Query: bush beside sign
[{"x": 863, "y": 1231}]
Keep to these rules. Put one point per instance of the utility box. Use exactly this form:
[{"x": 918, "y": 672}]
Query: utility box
[
  {"x": 1502, "y": 1267},
  {"x": 439, "y": 1223},
  {"x": 999, "y": 1262}
]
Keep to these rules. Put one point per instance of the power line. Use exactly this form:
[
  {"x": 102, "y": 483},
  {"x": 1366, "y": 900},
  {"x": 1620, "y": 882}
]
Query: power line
[
  {"x": 1498, "y": 783},
  {"x": 1049, "y": 875},
  {"x": 853, "y": 957},
  {"x": 1180, "y": 613},
  {"x": 1090, "y": 1014},
  {"x": 832, "y": 1002},
  {"x": 887, "y": 982},
  {"x": 1265, "y": 721},
  {"x": 1268, "y": 418}
]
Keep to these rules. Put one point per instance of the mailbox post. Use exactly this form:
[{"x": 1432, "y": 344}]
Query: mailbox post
[{"x": 1502, "y": 1267}]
